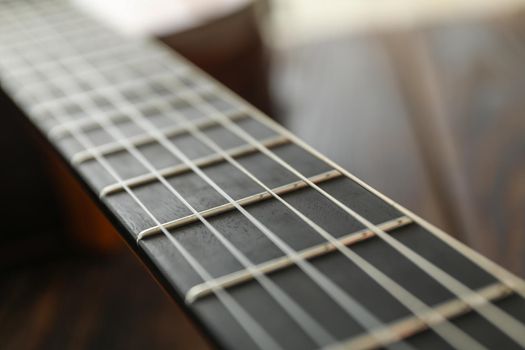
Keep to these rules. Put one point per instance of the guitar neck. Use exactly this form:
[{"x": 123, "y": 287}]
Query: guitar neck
[{"x": 267, "y": 243}]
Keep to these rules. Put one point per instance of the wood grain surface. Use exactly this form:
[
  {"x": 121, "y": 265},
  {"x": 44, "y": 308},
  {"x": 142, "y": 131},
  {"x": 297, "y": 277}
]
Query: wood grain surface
[{"x": 81, "y": 301}]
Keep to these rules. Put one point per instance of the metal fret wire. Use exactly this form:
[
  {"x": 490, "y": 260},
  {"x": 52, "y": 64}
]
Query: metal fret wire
[
  {"x": 499, "y": 318},
  {"x": 411, "y": 326},
  {"x": 28, "y": 89},
  {"x": 114, "y": 48},
  {"x": 252, "y": 328},
  {"x": 52, "y": 63},
  {"x": 270, "y": 266},
  {"x": 85, "y": 95},
  {"x": 205, "y": 161},
  {"x": 145, "y": 138},
  {"x": 87, "y": 122},
  {"x": 309, "y": 325},
  {"x": 244, "y": 201}
]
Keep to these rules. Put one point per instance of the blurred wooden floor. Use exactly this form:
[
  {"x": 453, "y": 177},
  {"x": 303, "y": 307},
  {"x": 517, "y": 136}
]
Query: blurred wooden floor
[{"x": 90, "y": 302}]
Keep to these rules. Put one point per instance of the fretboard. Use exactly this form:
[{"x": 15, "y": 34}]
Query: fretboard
[{"x": 267, "y": 243}]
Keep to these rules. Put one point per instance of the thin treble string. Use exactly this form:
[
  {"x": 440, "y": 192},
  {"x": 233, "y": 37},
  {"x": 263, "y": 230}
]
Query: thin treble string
[
  {"x": 451, "y": 333},
  {"x": 261, "y": 338},
  {"x": 499, "y": 318},
  {"x": 321, "y": 281}
]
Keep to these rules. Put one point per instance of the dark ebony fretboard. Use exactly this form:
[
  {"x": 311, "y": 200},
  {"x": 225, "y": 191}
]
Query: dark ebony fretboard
[{"x": 267, "y": 243}]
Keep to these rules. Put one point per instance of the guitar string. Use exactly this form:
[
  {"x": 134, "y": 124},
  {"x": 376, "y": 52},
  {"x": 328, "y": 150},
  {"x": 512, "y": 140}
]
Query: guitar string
[
  {"x": 321, "y": 282},
  {"x": 260, "y": 337}
]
